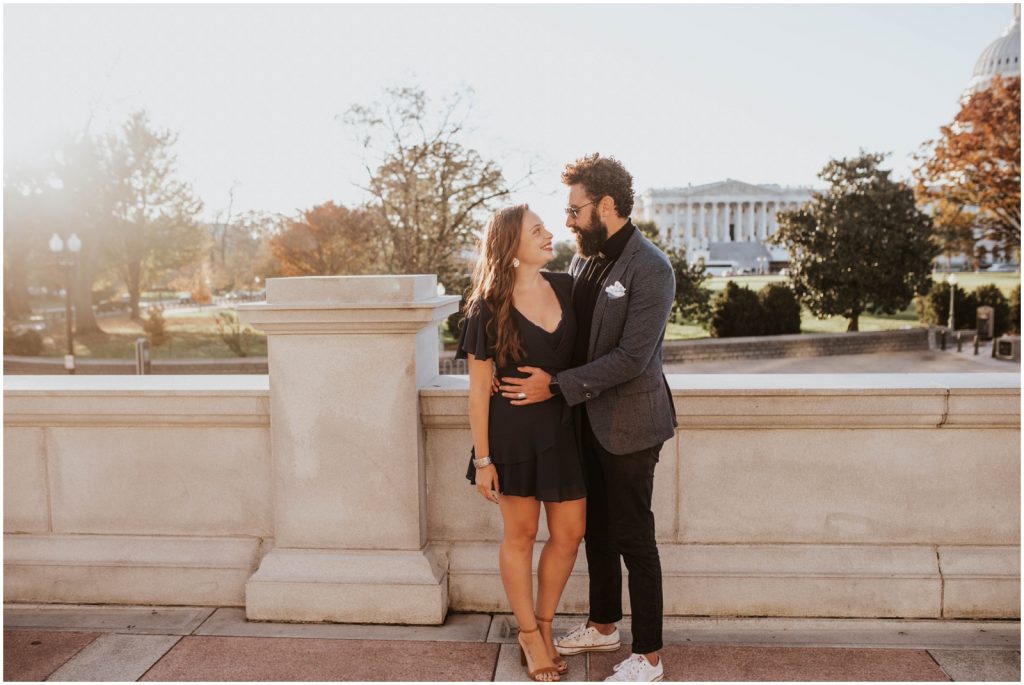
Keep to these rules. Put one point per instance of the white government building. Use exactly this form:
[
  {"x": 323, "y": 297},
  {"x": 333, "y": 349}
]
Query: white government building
[
  {"x": 1002, "y": 56},
  {"x": 727, "y": 222}
]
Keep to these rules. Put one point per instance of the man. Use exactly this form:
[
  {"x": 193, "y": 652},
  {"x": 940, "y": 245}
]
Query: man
[{"x": 622, "y": 296}]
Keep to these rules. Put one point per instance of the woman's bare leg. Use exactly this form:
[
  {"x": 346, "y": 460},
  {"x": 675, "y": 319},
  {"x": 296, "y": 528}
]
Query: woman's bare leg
[
  {"x": 567, "y": 522},
  {"x": 521, "y": 515}
]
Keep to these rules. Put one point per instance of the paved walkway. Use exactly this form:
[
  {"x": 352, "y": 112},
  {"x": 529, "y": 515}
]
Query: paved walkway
[
  {"x": 923, "y": 361},
  {"x": 96, "y": 643}
]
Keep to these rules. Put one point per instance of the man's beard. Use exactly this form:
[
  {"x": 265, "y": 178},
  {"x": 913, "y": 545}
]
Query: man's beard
[{"x": 591, "y": 239}]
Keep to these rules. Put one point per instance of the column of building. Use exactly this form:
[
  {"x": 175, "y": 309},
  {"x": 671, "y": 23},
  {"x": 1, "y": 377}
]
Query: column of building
[{"x": 701, "y": 224}]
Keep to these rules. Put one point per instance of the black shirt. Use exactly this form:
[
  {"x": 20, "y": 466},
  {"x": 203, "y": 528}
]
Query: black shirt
[{"x": 589, "y": 285}]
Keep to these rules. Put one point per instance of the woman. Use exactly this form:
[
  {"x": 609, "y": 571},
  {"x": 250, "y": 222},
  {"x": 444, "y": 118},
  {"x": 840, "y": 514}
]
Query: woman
[{"x": 519, "y": 316}]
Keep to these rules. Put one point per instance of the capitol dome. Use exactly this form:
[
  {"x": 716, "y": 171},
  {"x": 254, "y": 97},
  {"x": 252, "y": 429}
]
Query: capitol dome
[{"x": 1001, "y": 57}]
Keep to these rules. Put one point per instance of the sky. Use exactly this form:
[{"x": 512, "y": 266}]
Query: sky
[{"x": 681, "y": 94}]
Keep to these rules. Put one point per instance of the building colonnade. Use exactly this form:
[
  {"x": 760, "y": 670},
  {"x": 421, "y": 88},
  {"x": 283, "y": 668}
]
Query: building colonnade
[{"x": 696, "y": 223}]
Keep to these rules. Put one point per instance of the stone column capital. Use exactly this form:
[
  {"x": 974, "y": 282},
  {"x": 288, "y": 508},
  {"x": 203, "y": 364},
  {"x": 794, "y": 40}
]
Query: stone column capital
[{"x": 323, "y": 305}]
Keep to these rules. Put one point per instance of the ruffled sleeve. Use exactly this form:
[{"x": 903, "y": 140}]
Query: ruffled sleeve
[{"x": 475, "y": 338}]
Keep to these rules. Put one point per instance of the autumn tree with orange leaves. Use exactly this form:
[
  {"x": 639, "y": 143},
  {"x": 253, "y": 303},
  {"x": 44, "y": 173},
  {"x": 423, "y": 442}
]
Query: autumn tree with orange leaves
[
  {"x": 327, "y": 240},
  {"x": 976, "y": 162}
]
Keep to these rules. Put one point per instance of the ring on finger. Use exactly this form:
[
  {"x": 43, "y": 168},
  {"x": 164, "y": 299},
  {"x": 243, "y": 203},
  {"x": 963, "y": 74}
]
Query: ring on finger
[{"x": 522, "y": 396}]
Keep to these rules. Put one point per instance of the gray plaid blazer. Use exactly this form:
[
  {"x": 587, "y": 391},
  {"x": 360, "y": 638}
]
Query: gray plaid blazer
[{"x": 628, "y": 400}]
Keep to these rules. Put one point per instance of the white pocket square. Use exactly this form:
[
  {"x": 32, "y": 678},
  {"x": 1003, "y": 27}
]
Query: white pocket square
[{"x": 615, "y": 290}]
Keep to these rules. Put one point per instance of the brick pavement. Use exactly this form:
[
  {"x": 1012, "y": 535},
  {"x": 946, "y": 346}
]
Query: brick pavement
[{"x": 83, "y": 643}]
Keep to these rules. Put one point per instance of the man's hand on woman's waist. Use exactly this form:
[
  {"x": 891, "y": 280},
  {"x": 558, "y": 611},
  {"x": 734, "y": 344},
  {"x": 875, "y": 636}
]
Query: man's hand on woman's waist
[{"x": 530, "y": 390}]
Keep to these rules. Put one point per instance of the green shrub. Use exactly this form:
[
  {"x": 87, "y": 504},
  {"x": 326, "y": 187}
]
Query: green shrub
[
  {"x": 933, "y": 308},
  {"x": 1015, "y": 309},
  {"x": 27, "y": 343},
  {"x": 233, "y": 334},
  {"x": 736, "y": 312},
  {"x": 991, "y": 296},
  {"x": 460, "y": 286},
  {"x": 155, "y": 326},
  {"x": 781, "y": 309}
]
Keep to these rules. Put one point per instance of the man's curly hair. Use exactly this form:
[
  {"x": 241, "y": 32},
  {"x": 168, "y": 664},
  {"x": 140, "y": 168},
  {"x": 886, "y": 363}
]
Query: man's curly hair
[{"x": 602, "y": 176}]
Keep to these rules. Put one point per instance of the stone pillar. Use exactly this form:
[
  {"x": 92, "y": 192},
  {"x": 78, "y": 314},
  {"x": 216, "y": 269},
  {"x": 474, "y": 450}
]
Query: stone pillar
[
  {"x": 762, "y": 222},
  {"x": 347, "y": 356},
  {"x": 728, "y": 236}
]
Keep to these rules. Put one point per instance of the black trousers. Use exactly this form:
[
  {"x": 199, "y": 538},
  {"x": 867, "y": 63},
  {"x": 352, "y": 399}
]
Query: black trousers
[{"x": 620, "y": 523}]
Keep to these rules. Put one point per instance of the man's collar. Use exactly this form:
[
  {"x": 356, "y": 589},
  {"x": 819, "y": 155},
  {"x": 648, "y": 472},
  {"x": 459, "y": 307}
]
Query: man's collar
[{"x": 613, "y": 247}]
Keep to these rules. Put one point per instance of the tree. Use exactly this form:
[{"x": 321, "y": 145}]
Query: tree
[
  {"x": 327, "y": 240},
  {"x": 860, "y": 246},
  {"x": 954, "y": 231},
  {"x": 976, "y": 161},
  {"x": 249, "y": 248},
  {"x": 154, "y": 226},
  {"x": 85, "y": 207},
  {"x": 692, "y": 300},
  {"x": 27, "y": 199},
  {"x": 1015, "y": 310},
  {"x": 430, "y": 191},
  {"x": 564, "y": 251},
  {"x": 63, "y": 191}
]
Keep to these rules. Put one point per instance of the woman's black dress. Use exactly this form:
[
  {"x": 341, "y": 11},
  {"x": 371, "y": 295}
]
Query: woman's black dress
[{"x": 533, "y": 446}]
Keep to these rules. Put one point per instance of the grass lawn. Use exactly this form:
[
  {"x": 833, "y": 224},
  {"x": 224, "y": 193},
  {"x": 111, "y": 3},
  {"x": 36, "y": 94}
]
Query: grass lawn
[
  {"x": 193, "y": 335},
  {"x": 193, "y": 332}
]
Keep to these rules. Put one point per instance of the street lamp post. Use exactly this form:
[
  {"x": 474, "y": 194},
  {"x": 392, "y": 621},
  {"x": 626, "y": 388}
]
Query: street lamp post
[
  {"x": 952, "y": 291},
  {"x": 68, "y": 266}
]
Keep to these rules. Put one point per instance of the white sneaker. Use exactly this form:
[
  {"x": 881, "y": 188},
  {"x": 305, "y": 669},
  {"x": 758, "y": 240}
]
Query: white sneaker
[
  {"x": 583, "y": 639},
  {"x": 637, "y": 669}
]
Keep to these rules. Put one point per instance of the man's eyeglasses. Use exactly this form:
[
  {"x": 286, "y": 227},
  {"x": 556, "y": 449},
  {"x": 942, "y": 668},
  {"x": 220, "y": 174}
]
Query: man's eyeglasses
[{"x": 575, "y": 211}]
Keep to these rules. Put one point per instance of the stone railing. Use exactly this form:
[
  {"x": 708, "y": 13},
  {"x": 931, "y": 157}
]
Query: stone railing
[
  {"x": 334, "y": 489},
  {"x": 674, "y": 351},
  {"x": 795, "y": 495},
  {"x": 796, "y": 345}
]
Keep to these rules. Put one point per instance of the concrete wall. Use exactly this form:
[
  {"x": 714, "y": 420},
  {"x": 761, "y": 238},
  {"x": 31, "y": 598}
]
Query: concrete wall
[
  {"x": 796, "y": 495},
  {"x": 134, "y": 489},
  {"x": 334, "y": 488},
  {"x": 861, "y": 495}
]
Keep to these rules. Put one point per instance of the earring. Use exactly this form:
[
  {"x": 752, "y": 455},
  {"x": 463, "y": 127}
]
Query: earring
[{"x": 515, "y": 262}]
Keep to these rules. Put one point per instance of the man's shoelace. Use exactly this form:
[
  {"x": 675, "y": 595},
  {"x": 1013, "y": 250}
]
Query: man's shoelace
[
  {"x": 576, "y": 632},
  {"x": 633, "y": 664}
]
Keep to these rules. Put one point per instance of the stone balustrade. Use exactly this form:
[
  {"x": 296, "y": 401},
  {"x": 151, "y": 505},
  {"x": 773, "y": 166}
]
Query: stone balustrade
[{"x": 334, "y": 490}]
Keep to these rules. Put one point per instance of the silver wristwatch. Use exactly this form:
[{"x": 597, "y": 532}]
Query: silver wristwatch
[{"x": 482, "y": 462}]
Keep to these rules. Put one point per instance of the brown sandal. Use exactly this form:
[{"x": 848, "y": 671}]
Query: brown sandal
[
  {"x": 561, "y": 664},
  {"x": 528, "y": 662}
]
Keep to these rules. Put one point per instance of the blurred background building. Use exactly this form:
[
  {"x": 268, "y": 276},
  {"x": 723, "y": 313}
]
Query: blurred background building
[{"x": 726, "y": 223}]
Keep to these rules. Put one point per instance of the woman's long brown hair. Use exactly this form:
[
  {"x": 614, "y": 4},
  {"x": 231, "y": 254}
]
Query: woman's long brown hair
[{"x": 494, "y": 278}]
